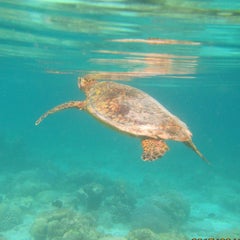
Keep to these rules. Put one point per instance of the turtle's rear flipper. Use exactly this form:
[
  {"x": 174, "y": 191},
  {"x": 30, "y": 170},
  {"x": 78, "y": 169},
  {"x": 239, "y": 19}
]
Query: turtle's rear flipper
[
  {"x": 153, "y": 149},
  {"x": 194, "y": 148},
  {"x": 71, "y": 104}
]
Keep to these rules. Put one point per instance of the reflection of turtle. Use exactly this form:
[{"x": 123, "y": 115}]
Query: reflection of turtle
[{"x": 131, "y": 111}]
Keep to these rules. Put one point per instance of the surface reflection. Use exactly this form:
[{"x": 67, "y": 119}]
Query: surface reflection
[
  {"x": 147, "y": 38},
  {"x": 146, "y": 65}
]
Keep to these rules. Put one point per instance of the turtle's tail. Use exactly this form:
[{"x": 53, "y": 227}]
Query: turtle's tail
[
  {"x": 194, "y": 148},
  {"x": 71, "y": 104}
]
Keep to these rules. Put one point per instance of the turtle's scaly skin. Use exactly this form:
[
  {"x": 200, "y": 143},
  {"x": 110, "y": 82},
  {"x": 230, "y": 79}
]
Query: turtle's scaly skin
[
  {"x": 153, "y": 149},
  {"x": 131, "y": 111}
]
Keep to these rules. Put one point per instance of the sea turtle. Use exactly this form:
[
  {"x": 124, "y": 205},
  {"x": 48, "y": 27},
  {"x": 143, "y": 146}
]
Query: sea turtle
[{"x": 131, "y": 111}]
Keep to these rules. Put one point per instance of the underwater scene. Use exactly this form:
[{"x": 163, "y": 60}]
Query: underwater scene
[{"x": 144, "y": 140}]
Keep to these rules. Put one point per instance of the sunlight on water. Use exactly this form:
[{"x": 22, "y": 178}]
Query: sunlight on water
[{"x": 82, "y": 28}]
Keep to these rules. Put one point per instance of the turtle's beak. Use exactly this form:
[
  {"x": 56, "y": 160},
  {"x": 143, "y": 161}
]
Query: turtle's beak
[
  {"x": 81, "y": 82},
  {"x": 85, "y": 83}
]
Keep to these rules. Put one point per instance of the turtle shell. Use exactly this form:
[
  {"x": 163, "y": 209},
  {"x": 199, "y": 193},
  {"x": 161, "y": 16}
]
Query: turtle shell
[{"x": 132, "y": 111}]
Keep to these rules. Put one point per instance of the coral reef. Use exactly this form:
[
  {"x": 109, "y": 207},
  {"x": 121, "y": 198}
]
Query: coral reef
[
  {"x": 47, "y": 196},
  {"x": 57, "y": 203},
  {"x": 150, "y": 216},
  {"x": 147, "y": 234},
  {"x": 172, "y": 235},
  {"x": 120, "y": 203},
  {"x": 91, "y": 195},
  {"x": 162, "y": 213},
  {"x": 77, "y": 179},
  {"x": 175, "y": 206},
  {"x": 29, "y": 187},
  {"x": 97, "y": 192},
  {"x": 10, "y": 216},
  {"x": 64, "y": 224},
  {"x": 233, "y": 233},
  {"x": 111, "y": 238},
  {"x": 26, "y": 184},
  {"x": 25, "y": 204},
  {"x": 142, "y": 234}
]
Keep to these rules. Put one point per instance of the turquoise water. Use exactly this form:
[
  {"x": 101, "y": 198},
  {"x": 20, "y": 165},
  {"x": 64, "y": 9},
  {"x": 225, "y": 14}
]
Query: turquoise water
[{"x": 72, "y": 177}]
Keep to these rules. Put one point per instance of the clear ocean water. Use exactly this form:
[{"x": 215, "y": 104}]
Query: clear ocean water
[{"x": 73, "y": 178}]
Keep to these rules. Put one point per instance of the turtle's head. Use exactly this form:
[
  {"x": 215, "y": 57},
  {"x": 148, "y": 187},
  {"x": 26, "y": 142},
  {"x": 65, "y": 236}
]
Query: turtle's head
[{"x": 86, "y": 82}]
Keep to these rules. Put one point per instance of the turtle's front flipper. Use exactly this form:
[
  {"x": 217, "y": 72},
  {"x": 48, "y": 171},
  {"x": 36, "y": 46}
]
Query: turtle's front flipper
[
  {"x": 71, "y": 104},
  {"x": 153, "y": 149}
]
